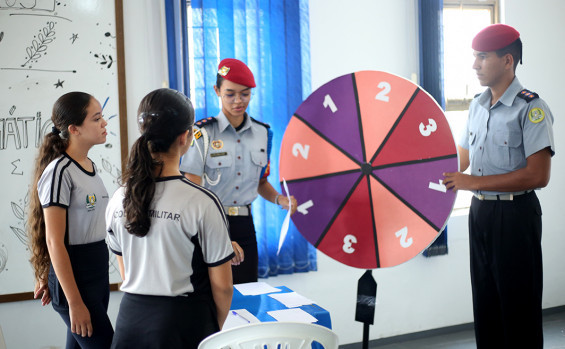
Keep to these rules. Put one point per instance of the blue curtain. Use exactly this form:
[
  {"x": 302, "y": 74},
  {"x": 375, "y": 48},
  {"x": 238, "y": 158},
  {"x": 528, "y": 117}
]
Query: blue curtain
[
  {"x": 430, "y": 15},
  {"x": 177, "y": 45},
  {"x": 272, "y": 37}
]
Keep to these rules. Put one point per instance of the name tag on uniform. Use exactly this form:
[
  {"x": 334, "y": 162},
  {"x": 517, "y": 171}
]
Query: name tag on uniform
[{"x": 214, "y": 155}]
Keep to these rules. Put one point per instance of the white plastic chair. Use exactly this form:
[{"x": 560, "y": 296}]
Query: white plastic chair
[{"x": 272, "y": 335}]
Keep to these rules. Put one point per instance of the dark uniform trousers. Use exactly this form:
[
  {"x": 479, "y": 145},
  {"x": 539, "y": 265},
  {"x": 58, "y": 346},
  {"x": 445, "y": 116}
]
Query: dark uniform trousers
[
  {"x": 242, "y": 231},
  {"x": 506, "y": 272}
]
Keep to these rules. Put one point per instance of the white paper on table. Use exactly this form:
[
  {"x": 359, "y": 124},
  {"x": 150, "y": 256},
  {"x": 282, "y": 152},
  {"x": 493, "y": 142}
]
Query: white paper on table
[
  {"x": 239, "y": 317},
  {"x": 255, "y": 288},
  {"x": 291, "y": 299},
  {"x": 286, "y": 222},
  {"x": 294, "y": 314}
]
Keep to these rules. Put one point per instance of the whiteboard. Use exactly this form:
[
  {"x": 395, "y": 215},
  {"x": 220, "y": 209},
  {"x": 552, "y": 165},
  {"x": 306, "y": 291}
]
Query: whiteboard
[{"x": 49, "y": 48}]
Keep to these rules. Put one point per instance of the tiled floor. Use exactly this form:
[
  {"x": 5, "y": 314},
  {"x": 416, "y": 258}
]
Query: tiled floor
[{"x": 553, "y": 328}]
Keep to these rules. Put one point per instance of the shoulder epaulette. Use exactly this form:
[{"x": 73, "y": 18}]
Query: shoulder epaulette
[
  {"x": 206, "y": 121},
  {"x": 527, "y": 95},
  {"x": 260, "y": 123}
]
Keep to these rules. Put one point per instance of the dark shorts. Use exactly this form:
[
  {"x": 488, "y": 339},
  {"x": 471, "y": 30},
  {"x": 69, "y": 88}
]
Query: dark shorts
[
  {"x": 90, "y": 269},
  {"x": 164, "y": 322}
]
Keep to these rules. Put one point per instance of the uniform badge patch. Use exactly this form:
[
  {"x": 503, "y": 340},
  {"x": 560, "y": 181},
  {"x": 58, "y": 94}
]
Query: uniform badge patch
[
  {"x": 536, "y": 115},
  {"x": 90, "y": 201},
  {"x": 197, "y": 134},
  {"x": 217, "y": 144},
  {"x": 224, "y": 71}
]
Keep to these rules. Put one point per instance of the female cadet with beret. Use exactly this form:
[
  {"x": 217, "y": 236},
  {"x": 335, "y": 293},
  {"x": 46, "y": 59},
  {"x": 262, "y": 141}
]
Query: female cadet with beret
[
  {"x": 170, "y": 237},
  {"x": 230, "y": 156}
]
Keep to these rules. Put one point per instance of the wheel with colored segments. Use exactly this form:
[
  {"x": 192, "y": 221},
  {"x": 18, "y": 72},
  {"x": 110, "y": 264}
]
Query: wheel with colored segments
[{"x": 364, "y": 155}]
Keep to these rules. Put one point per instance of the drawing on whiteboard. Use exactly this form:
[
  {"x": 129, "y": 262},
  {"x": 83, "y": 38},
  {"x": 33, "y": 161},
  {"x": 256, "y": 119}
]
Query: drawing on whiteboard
[
  {"x": 3, "y": 257},
  {"x": 108, "y": 34},
  {"x": 1, "y": 36},
  {"x": 39, "y": 43},
  {"x": 12, "y": 110},
  {"x": 113, "y": 264},
  {"x": 23, "y": 131},
  {"x": 20, "y": 214},
  {"x": 34, "y": 5},
  {"x": 17, "y": 171},
  {"x": 73, "y": 38},
  {"x": 59, "y": 83},
  {"x": 114, "y": 171},
  {"x": 104, "y": 59}
]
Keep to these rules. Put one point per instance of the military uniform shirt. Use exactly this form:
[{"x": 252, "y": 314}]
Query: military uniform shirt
[
  {"x": 235, "y": 160},
  {"x": 67, "y": 184},
  {"x": 188, "y": 234},
  {"x": 501, "y": 137}
]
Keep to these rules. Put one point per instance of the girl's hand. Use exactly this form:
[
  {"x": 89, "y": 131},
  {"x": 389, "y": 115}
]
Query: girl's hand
[{"x": 41, "y": 290}]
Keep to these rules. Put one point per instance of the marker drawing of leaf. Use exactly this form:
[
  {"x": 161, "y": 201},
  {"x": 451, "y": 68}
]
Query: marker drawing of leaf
[
  {"x": 107, "y": 165},
  {"x": 20, "y": 234},
  {"x": 18, "y": 211},
  {"x": 40, "y": 45}
]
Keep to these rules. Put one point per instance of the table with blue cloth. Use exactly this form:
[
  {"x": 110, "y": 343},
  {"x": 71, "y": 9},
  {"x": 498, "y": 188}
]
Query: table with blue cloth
[{"x": 261, "y": 304}]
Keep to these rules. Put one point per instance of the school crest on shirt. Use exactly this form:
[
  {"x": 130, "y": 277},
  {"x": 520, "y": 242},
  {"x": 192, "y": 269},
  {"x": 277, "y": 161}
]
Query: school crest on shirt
[
  {"x": 217, "y": 144},
  {"x": 90, "y": 201},
  {"x": 536, "y": 115}
]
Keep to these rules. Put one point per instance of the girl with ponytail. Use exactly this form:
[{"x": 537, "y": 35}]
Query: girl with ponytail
[
  {"x": 66, "y": 222},
  {"x": 170, "y": 237}
]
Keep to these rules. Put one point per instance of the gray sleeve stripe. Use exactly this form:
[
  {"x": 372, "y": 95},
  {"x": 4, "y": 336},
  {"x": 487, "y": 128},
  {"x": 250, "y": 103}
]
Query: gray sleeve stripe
[
  {"x": 212, "y": 196},
  {"x": 61, "y": 180}
]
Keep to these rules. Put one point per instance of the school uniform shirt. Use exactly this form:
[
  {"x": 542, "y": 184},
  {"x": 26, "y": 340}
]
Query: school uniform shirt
[
  {"x": 67, "y": 184},
  {"x": 188, "y": 234},
  {"x": 233, "y": 161},
  {"x": 502, "y": 136}
]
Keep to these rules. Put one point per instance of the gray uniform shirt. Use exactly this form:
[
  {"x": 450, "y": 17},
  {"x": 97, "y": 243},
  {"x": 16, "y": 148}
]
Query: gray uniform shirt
[
  {"x": 188, "y": 234},
  {"x": 66, "y": 184},
  {"x": 234, "y": 160},
  {"x": 502, "y": 136}
]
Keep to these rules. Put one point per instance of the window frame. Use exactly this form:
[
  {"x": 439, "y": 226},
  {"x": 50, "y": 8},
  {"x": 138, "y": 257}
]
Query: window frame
[{"x": 493, "y": 6}]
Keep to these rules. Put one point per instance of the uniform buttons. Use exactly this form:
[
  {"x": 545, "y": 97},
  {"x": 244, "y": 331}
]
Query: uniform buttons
[
  {"x": 235, "y": 202},
  {"x": 239, "y": 173},
  {"x": 219, "y": 164},
  {"x": 239, "y": 157},
  {"x": 239, "y": 141},
  {"x": 505, "y": 142},
  {"x": 237, "y": 188},
  {"x": 479, "y": 170},
  {"x": 481, "y": 148}
]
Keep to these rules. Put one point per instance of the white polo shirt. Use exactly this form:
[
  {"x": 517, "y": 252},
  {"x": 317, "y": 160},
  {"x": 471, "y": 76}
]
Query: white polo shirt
[{"x": 188, "y": 234}]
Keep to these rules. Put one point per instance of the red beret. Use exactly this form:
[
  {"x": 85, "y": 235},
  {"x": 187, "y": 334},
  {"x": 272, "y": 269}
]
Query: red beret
[
  {"x": 236, "y": 71},
  {"x": 494, "y": 37}
]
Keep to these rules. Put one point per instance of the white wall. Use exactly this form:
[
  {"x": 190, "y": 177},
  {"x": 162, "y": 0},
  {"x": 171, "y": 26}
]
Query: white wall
[{"x": 424, "y": 293}]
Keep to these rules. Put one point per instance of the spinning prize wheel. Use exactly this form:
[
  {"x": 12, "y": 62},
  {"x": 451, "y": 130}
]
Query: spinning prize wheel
[{"x": 364, "y": 156}]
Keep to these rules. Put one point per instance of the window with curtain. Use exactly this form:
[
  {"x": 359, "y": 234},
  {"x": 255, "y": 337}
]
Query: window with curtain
[
  {"x": 462, "y": 20},
  {"x": 272, "y": 38},
  {"x": 431, "y": 76}
]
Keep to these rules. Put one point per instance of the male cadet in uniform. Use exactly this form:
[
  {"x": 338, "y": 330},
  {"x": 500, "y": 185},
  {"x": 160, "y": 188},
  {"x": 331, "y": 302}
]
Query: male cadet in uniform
[{"x": 508, "y": 142}]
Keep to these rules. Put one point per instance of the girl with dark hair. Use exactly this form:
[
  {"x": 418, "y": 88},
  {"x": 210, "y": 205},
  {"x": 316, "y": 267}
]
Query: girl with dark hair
[
  {"x": 66, "y": 222},
  {"x": 170, "y": 237}
]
